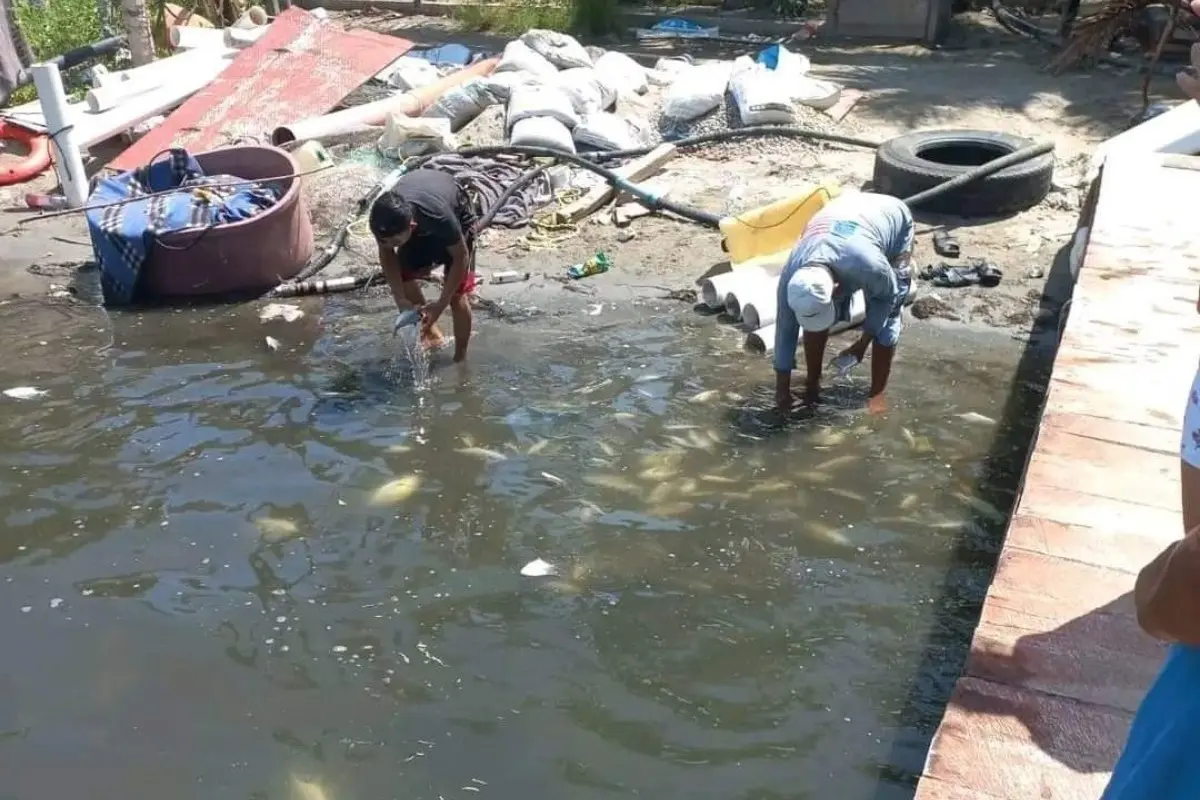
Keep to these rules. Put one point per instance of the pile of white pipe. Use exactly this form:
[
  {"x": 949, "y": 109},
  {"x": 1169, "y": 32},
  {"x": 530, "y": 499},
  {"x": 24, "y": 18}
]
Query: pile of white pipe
[
  {"x": 762, "y": 340},
  {"x": 120, "y": 101}
]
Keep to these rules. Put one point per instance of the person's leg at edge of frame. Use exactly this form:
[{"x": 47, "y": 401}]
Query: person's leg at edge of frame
[{"x": 461, "y": 316}]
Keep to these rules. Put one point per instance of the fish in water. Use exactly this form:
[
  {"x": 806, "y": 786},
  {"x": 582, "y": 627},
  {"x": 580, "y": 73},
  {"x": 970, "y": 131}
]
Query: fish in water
[
  {"x": 836, "y": 463},
  {"x": 659, "y": 473},
  {"x": 276, "y": 529},
  {"x": 606, "y": 448},
  {"x": 910, "y": 501},
  {"x": 399, "y": 448},
  {"x": 846, "y": 493},
  {"x": 538, "y": 569},
  {"x": 978, "y": 419},
  {"x": 396, "y": 491},
  {"x": 704, "y": 397},
  {"x": 483, "y": 452},
  {"x": 553, "y": 479},
  {"x": 827, "y": 532},
  {"x": 613, "y": 482},
  {"x": 537, "y": 447},
  {"x": 713, "y": 478},
  {"x": 272, "y": 343},
  {"x": 24, "y": 393},
  {"x": 982, "y": 507},
  {"x": 908, "y": 437}
]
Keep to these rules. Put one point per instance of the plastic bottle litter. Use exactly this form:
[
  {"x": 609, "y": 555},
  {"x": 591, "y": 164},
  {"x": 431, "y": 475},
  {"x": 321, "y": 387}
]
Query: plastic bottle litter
[
  {"x": 509, "y": 276},
  {"x": 593, "y": 266},
  {"x": 46, "y": 202}
]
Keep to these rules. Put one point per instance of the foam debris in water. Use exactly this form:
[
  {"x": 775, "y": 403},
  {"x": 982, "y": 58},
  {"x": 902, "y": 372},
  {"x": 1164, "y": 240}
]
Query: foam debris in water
[
  {"x": 538, "y": 569},
  {"x": 284, "y": 311},
  {"x": 396, "y": 491},
  {"x": 24, "y": 393}
]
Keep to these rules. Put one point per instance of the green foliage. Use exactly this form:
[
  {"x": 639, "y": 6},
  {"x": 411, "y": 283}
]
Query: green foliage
[{"x": 52, "y": 29}]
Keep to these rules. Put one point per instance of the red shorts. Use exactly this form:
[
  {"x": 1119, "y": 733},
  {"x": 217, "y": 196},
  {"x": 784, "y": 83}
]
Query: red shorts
[{"x": 466, "y": 287}]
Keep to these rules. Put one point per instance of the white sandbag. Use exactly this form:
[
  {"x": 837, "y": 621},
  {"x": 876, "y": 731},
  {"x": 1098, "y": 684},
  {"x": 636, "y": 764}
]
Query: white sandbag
[
  {"x": 559, "y": 49},
  {"x": 762, "y": 95},
  {"x": 462, "y": 104},
  {"x": 696, "y": 91},
  {"x": 621, "y": 73},
  {"x": 587, "y": 92},
  {"x": 533, "y": 100},
  {"x": 501, "y": 84},
  {"x": 518, "y": 57},
  {"x": 542, "y": 132},
  {"x": 407, "y": 73},
  {"x": 778, "y": 58},
  {"x": 404, "y": 136},
  {"x": 606, "y": 131}
]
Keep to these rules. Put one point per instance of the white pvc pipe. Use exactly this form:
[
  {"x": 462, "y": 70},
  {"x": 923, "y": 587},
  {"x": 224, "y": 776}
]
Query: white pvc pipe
[
  {"x": 187, "y": 37},
  {"x": 243, "y": 37},
  {"x": 714, "y": 289},
  {"x": 742, "y": 292},
  {"x": 165, "y": 69},
  {"x": 94, "y": 128},
  {"x": 105, "y": 97},
  {"x": 758, "y": 309},
  {"x": 761, "y": 341},
  {"x": 68, "y": 161}
]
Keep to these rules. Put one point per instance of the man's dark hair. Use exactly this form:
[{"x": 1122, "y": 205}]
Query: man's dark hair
[{"x": 391, "y": 215}]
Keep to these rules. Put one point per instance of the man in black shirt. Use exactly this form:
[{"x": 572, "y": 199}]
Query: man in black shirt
[{"x": 424, "y": 221}]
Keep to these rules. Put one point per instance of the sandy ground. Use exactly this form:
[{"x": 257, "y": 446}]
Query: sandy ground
[{"x": 981, "y": 78}]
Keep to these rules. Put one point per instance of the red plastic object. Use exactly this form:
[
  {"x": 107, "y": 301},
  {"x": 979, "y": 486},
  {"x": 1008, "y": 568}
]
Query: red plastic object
[
  {"x": 250, "y": 256},
  {"x": 34, "y": 164},
  {"x": 301, "y": 67}
]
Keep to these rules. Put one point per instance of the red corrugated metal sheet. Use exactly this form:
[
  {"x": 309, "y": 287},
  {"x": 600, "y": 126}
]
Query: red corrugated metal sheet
[{"x": 301, "y": 67}]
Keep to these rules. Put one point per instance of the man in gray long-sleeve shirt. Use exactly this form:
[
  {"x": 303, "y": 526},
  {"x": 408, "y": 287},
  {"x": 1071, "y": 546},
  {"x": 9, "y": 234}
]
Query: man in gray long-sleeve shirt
[{"x": 858, "y": 242}]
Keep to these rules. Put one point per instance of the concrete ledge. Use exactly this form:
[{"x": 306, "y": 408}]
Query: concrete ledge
[{"x": 732, "y": 22}]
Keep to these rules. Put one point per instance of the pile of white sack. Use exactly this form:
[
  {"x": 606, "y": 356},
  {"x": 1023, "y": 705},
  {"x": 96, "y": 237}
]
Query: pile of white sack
[
  {"x": 763, "y": 94},
  {"x": 555, "y": 94}
]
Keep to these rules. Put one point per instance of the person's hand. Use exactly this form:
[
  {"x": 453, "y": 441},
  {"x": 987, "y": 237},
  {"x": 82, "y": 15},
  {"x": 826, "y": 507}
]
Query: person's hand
[
  {"x": 877, "y": 404},
  {"x": 431, "y": 312}
]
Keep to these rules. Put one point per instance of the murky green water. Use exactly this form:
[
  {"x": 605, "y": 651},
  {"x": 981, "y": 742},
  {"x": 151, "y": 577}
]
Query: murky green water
[{"x": 200, "y": 600}]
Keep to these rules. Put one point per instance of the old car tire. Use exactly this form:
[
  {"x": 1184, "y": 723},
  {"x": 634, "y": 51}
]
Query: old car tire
[{"x": 909, "y": 164}]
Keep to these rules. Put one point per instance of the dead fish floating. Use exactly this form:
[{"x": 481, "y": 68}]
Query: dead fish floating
[
  {"x": 482, "y": 452},
  {"x": 396, "y": 491},
  {"x": 538, "y": 568},
  {"x": 25, "y": 393}
]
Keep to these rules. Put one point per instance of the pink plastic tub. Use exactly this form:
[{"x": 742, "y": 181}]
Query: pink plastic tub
[{"x": 242, "y": 257}]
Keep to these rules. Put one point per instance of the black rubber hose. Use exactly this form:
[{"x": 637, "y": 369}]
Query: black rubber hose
[
  {"x": 73, "y": 58},
  {"x": 980, "y": 172}
]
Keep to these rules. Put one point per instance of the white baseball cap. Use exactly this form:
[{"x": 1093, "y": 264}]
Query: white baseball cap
[{"x": 810, "y": 296}]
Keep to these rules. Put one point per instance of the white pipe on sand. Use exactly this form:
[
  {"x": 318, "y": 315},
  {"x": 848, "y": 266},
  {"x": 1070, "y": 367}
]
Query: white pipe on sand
[
  {"x": 762, "y": 341},
  {"x": 758, "y": 309},
  {"x": 244, "y": 37},
  {"x": 186, "y": 37},
  {"x": 163, "y": 70},
  {"x": 743, "y": 292},
  {"x": 64, "y": 138},
  {"x": 93, "y": 128},
  {"x": 714, "y": 289}
]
